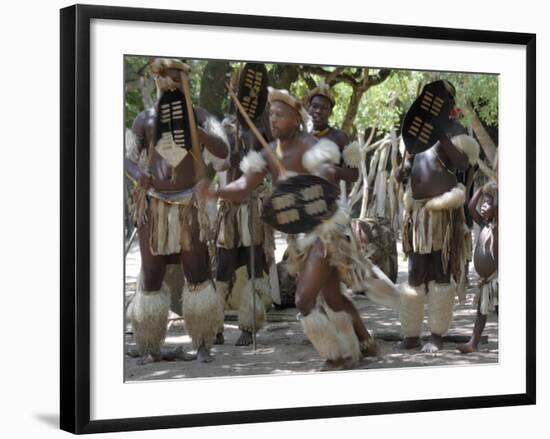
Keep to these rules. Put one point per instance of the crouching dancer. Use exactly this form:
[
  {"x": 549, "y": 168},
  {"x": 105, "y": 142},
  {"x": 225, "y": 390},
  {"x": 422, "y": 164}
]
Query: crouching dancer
[
  {"x": 161, "y": 156},
  {"x": 324, "y": 257}
]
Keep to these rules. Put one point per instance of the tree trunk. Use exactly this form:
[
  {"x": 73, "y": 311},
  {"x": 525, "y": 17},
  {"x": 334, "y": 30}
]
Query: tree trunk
[
  {"x": 485, "y": 141},
  {"x": 348, "y": 125},
  {"x": 213, "y": 93},
  {"x": 147, "y": 86},
  {"x": 365, "y": 176},
  {"x": 282, "y": 76},
  {"x": 359, "y": 89}
]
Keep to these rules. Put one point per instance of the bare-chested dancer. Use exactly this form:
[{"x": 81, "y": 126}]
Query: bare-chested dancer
[
  {"x": 320, "y": 103},
  {"x": 434, "y": 236},
  {"x": 234, "y": 239},
  {"x": 485, "y": 260},
  {"x": 172, "y": 223},
  {"x": 332, "y": 323}
]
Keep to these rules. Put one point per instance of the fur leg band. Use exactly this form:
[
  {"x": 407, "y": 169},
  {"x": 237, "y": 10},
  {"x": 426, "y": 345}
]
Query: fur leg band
[
  {"x": 411, "y": 313},
  {"x": 263, "y": 288},
  {"x": 348, "y": 340},
  {"x": 246, "y": 307},
  {"x": 148, "y": 314},
  {"x": 441, "y": 299},
  {"x": 202, "y": 311},
  {"x": 222, "y": 289},
  {"x": 332, "y": 337}
]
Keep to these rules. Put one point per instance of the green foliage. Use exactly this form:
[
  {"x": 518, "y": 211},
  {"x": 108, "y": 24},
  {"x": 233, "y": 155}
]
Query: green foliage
[
  {"x": 342, "y": 94},
  {"x": 382, "y": 105},
  {"x": 136, "y": 72},
  {"x": 478, "y": 89},
  {"x": 138, "y": 80}
]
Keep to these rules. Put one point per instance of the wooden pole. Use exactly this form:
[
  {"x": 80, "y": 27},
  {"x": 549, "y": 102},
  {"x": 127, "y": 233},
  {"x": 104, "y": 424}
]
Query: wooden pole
[
  {"x": 251, "y": 125},
  {"x": 195, "y": 147}
]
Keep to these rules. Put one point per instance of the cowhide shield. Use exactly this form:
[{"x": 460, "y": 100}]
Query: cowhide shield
[
  {"x": 427, "y": 118},
  {"x": 252, "y": 91},
  {"x": 172, "y": 133},
  {"x": 300, "y": 203}
]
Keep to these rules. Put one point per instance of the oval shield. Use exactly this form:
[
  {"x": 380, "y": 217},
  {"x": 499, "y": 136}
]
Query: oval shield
[
  {"x": 172, "y": 127},
  {"x": 427, "y": 118},
  {"x": 300, "y": 203},
  {"x": 252, "y": 91}
]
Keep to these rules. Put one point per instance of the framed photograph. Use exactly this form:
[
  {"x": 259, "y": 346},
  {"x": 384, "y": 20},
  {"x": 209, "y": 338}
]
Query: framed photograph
[{"x": 371, "y": 74}]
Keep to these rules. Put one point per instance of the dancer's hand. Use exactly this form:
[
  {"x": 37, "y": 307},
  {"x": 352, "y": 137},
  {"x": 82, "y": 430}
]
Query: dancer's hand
[
  {"x": 204, "y": 191},
  {"x": 145, "y": 180}
]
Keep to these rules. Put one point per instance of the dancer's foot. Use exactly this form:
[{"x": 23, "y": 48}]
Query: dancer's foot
[
  {"x": 203, "y": 355},
  {"x": 369, "y": 348},
  {"x": 219, "y": 338},
  {"x": 245, "y": 339},
  {"x": 339, "y": 364},
  {"x": 467, "y": 348},
  {"x": 435, "y": 344},
  {"x": 177, "y": 354},
  {"x": 147, "y": 359},
  {"x": 409, "y": 343}
]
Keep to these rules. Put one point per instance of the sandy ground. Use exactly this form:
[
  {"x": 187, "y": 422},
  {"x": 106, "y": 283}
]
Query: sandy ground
[{"x": 282, "y": 347}]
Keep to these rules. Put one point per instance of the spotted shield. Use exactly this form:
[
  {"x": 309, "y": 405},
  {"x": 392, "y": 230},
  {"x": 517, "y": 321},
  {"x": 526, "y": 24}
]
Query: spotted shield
[
  {"x": 172, "y": 130},
  {"x": 252, "y": 92},
  {"x": 428, "y": 117},
  {"x": 300, "y": 203}
]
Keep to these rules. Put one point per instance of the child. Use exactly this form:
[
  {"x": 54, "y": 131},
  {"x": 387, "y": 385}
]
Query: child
[{"x": 485, "y": 260}]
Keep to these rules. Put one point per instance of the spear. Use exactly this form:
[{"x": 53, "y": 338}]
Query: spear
[
  {"x": 252, "y": 269},
  {"x": 251, "y": 125},
  {"x": 195, "y": 147},
  {"x": 251, "y": 208}
]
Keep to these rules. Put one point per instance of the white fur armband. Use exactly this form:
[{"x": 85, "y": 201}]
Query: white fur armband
[
  {"x": 218, "y": 163},
  {"x": 215, "y": 129},
  {"x": 352, "y": 155},
  {"x": 468, "y": 145},
  {"x": 131, "y": 144},
  {"x": 324, "y": 151},
  {"x": 135, "y": 150},
  {"x": 451, "y": 199},
  {"x": 252, "y": 162}
]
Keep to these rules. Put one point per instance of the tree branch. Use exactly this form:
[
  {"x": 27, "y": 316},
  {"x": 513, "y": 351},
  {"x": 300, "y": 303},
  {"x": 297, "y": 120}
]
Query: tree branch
[
  {"x": 308, "y": 80},
  {"x": 381, "y": 76},
  {"x": 340, "y": 77}
]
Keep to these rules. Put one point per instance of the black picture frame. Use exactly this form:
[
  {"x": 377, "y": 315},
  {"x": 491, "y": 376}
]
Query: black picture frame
[{"x": 75, "y": 217}]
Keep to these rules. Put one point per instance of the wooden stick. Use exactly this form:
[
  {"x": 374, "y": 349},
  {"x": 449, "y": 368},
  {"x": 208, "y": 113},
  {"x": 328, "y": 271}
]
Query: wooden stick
[
  {"x": 483, "y": 167},
  {"x": 251, "y": 125},
  {"x": 195, "y": 147},
  {"x": 252, "y": 268}
]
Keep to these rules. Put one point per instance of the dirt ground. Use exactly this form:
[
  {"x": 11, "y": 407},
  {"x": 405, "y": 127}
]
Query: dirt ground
[{"x": 282, "y": 347}]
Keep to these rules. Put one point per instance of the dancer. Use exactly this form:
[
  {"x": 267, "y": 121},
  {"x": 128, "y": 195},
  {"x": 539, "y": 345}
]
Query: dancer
[
  {"x": 485, "y": 260},
  {"x": 435, "y": 237},
  {"x": 164, "y": 157},
  {"x": 236, "y": 236},
  {"x": 324, "y": 257},
  {"x": 320, "y": 103}
]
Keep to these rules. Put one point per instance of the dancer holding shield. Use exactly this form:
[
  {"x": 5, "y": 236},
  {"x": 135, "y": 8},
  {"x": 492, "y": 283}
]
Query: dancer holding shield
[
  {"x": 164, "y": 156},
  {"x": 322, "y": 255},
  {"x": 435, "y": 237},
  {"x": 239, "y": 230}
]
